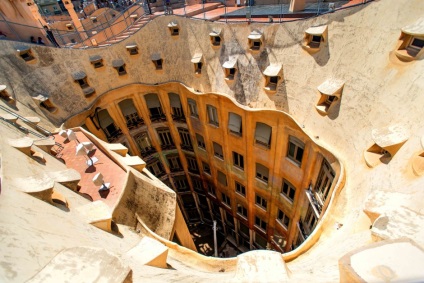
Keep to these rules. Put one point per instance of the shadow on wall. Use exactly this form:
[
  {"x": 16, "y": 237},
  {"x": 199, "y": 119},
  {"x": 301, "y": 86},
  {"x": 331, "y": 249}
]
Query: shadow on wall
[
  {"x": 323, "y": 55},
  {"x": 335, "y": 109}
]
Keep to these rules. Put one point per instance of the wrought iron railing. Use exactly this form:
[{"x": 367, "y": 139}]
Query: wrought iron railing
[{"x": 108, "y": 25}]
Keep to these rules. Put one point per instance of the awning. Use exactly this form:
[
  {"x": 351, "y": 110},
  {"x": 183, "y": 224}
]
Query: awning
[
  {"x": 118, "y": 63},
  {"x": 79, "y": 75},
  {"x": 95, "y": 58},
  {"x": 21, "y": 49},
  {"x": 330, "y": 87},
  {"x": 172, "y": 24},
  {"x": 40, "y": 98},
  {"x": 272, "y": 70},
  {"x": 391, "y": 135},
  {"x": 155, "y": 57},
  {"x": 215, "y": 33},
  {"x": 197, "y": 58},
  {"x": 230, "y": 63},
  {"x": 131, "y": 46},
  {"x": 127, "y": 107},
  {"x": 255, "y": 35},
  {"x": 174, "y": 100},
  {"x": 416, "y": 28},
  {"x": 104, "y": 118},
  {"x": 152, "y": 100},
  {"x": 319, "y": 30}
]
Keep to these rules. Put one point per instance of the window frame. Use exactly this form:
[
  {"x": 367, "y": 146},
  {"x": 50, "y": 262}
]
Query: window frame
[
  {"x": 238, "y": 161},
  {"x": 240, "y": 188},
  {"x": 282, "y": 218},
  {"x": 298, "y": 144},
  {"x": 219, "y": 155},
  {"x": 192, "y": 105},
  {"x": 212, "y": 113},
  {"x": 259, "y": 176},
  {"x": 261, "y": 202},
  {"x": 290, "y": 188}
]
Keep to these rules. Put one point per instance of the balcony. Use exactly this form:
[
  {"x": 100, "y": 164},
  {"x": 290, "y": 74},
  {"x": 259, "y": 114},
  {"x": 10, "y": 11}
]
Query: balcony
[
  {"x": 176, "y": 169},
  {"x": 158, "y": 118},
  {"x": 303, "y": 232},
  {"x": 179, "y": 118},
  {"x": 168, "y": 146},
  {"x": 315, "y": 203},
  {"x": 131, "y": 125},
  {"x": 147, "y": 152},
  {"x": 194, "y": 171},
  {"x": 187, "y": 147},
  {"x": 114, "y": 136}
]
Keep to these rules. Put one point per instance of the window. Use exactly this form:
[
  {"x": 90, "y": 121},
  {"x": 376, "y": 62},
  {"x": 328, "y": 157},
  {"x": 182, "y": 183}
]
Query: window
[
  {"x": 417, "y": 44},
  {"x": 217, "y": 149},
  {"x": 230, "y": 73},
  {"x": 165, "y": 138},
  {"x": 241, "y": 210},
  {"x": 119, "y": 66},
  {"x": 197, "y": 184},
  {"x": 155, "y": 107},
  {"x": 130, "y": 114},
  {"x": 260, "y": 242},
  {"x": 192, "y": 164},
  {"x": 310, "y": 220},
  {"x": 226, "y": 199},
  {"x": 174, "y": 163},
  {"x": 261, "y": 224},
  {"x": 261, "y": 202},
  {"x": 193, "y": 108},
  {"x": 240, "y": 189},
  {"x": 244, "y": 230},
  {"x": 143, "y": 142},
  {"x": 156, "y": 168},
  {"x": 211, "y": 190},
  {"x": 234, "y": 124},
  {"x": 263, "y": 134},
  {"x": 238, "y": 160},
  {"x": 283, "y": 219},
  {"x": 158, "y": 63},
  {"x": 173, "y": 28},
  {"x": 222, "y": 178},
  {"x": 206, "y": 168},
  {"x": 212, "y": 115},
  {"x": 177, "y": 111},
  {"x": 215, "y": 37},
  {"x": 324, "y": 181},
  {"x": 108, "y": 126},
  {"x": 288, "y": 190},
  {"x": 185, "y": 139},
  {"x": 132, "y": 49},
  {"x": 25, "y": 53},
  {"x": 198, "y": 68},
  {"x": 200, "y": 141},
  {"x": 262, "y": 173},
  {"x": 181, "y": 184},
  {"x": 295, "y": 150},
  {"x": 255, "y": 40},
  {"x": 96, "y": 60}
]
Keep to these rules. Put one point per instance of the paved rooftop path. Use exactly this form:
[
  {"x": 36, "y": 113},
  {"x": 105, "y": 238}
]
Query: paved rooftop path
[{"x": 111, "y": 172}]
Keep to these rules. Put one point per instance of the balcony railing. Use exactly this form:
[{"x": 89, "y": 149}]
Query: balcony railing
[
  {"x": 304, "y": 233},
  {"x": 176, "y": 169},
  {"x": 114, "y": 136},
  {"x": 135, "y": 124},
  {"x": 179, "y": 118},
  {"x": 316, "y": 205},
  {"x": 147, "y": 152},
  {"x": 194, "y": 171},
  {"x": 158, "y": 118},
  {"x": 187, "y": 147},
  {"x": 168, "y": 146}
]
